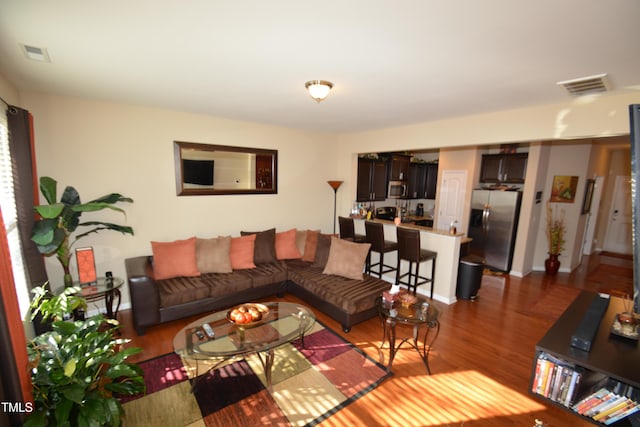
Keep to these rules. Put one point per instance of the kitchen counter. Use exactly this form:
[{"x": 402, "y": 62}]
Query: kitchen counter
[
  {"x": 447, "y": 246},
  {"x": 422, "y": 228}
]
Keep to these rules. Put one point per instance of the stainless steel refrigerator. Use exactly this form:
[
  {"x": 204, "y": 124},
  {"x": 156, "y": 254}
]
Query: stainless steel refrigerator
[{"x": 493, "y": 225}]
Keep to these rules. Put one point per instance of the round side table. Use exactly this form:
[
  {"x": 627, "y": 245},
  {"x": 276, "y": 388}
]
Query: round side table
[
  {"x": 103, "y": 287},
  {"x": 417, "y": 316}
]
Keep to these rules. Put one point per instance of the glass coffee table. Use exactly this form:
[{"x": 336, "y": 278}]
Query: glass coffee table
[
  {"x": 283, "y": 323},
  {"x": 423, "y": 314}
]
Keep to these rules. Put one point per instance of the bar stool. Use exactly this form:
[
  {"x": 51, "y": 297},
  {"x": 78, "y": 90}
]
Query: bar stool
[
  {"x": 375, "y": 236},
  {"x": 409, "y": 250},
  {"x": 348, "y": 231}
]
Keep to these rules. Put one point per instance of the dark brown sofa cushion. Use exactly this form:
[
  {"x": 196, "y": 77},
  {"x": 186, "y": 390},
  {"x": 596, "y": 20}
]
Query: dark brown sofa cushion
[
  {"x": 220, "y": 284},
  {"x": 180, "y": 290},
  {"x": 265, "y": 274},
  {"x": 265, "y": 248},
  {"x": 322, "y": 251},
  {"x": 353, "y": 296}
]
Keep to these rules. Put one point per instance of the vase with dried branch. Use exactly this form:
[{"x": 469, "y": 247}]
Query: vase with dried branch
[{"x": 556, "y": 229}]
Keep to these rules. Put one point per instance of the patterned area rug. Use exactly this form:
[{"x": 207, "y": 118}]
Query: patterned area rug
[{"x": 309, "y": 385}]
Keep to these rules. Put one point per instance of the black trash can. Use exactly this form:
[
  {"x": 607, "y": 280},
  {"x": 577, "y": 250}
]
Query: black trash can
[{"x": 469, "y": 277}]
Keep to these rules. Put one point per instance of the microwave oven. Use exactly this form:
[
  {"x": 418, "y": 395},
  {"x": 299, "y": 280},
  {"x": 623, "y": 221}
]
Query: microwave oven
[{"x": 397, "y": 189}]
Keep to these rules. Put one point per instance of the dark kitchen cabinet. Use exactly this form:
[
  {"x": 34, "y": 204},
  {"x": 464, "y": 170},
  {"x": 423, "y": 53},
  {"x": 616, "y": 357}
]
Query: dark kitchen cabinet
[
  {"x": 432, "y": 181},
  {"x": 399, "y": 167},
  {"x": 417, "y": 180},
  {"x": 504, "y": 168},
  {"x": 372, "y": 180},
  {"x": 423, "y": 180}
]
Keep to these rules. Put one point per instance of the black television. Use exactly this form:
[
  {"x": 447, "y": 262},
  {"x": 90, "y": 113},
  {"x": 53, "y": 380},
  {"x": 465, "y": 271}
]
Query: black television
[{"x": 199, "y": 172}]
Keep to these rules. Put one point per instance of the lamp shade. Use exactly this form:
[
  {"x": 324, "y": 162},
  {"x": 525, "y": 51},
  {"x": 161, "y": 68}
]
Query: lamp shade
[
  {"x": 318, "y": 89},
  {"x": 335, "y": 184}
]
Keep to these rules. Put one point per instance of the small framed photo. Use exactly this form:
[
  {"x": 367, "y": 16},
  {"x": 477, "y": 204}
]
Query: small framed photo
[{"x": 86, "y": 266}]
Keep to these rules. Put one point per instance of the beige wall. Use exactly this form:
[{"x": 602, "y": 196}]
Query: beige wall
[
  {"x": 577, "y": 119},
  {"x": 570, "y": 159},
  {"x": 8, "y": 92},
  {"x": 457, "y": 159},
  {"x": 531, "y": 210},
  {"x": 101, "y": 147}
]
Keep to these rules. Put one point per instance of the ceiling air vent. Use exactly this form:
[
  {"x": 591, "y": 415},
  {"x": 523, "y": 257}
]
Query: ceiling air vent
[
  {"x": 35, "y": 53},
  {"x": 586, "y": 85}
]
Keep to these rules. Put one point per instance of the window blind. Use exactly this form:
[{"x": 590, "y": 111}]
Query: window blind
[{"x": 10, "y": 217}]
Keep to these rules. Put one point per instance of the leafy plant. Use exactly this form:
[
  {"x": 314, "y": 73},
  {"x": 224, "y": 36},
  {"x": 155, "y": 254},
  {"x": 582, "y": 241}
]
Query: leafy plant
[
  {"x": 57, "y": 307},
  {"x": 78, "y": 370},
  {"x": 556, "y": 230},
  {"x": 59, "y": 220}
]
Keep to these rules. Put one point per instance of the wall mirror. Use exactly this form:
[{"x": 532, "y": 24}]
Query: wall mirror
[{"x": 204, "y": 169}]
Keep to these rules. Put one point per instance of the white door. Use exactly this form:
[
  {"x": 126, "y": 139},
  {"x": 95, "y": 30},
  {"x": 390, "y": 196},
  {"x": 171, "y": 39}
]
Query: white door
[
  {"x": 618, "y": 236},
  {"x": 593, "y": 216},
  {"x": 451, "y": 199}
]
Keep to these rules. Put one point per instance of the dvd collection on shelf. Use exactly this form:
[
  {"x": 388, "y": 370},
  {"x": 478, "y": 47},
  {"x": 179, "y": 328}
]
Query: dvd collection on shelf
[{"x": 557, "y": 380}]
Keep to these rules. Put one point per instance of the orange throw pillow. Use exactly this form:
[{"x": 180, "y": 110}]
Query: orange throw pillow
[
  {"x": 174, "y": 259},
  {"x": 241, "y": 252},
  {"x": 286, "y": 247}
]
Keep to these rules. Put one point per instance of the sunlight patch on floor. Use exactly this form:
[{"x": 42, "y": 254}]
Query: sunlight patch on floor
[{"x": 453, "y": 398}]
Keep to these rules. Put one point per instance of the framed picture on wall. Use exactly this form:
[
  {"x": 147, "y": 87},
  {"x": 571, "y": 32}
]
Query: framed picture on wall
[
  {"x": 86, "y": 265},
  {"x": 588, "y": 196},
  {"x": 564, "y": 189}
]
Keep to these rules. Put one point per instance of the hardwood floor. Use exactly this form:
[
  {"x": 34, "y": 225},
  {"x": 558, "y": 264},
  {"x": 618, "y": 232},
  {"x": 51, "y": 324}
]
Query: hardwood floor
[{"x": 480, "y": 363}]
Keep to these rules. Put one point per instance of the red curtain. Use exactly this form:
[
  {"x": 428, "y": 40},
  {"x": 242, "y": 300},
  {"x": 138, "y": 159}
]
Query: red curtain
[{"x": 12, "y": 311}]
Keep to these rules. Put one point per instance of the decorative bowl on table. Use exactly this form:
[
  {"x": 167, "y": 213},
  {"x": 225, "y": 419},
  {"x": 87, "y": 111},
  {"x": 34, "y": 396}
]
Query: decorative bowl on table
[
  {"x": 407, "y": 300},
  {"x": 248, "y": 315},
  {"x": 625, "y": 325}
]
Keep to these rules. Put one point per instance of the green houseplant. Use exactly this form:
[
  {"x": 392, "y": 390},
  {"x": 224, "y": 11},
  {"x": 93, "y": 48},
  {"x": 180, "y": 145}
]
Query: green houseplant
[
  {"x": 556, "y": 230},
  {"x": 52, "y": 233},
  {"x": 79, "y": 368}
]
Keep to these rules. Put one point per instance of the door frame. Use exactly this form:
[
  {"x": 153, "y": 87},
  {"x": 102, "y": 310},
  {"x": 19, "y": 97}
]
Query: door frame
[{"x": 592, "y": 217}]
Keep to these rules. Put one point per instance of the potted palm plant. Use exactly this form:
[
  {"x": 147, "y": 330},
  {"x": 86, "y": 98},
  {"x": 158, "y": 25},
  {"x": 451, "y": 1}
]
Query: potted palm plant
[
  {"x": 52, "y": 233},
  {"x": 556, "y": 230},
  {"x": 78, "y": 369}
]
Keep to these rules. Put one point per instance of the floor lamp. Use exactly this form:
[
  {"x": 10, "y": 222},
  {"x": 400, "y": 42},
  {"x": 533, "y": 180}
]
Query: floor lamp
[{"x": 335, "y": 185}]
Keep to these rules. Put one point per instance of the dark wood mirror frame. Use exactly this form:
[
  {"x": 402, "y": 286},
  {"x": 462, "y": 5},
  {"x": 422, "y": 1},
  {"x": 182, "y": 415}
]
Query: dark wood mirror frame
[
  {"x": 634, "y": 119},
  {"x": 221, "y": 169}
]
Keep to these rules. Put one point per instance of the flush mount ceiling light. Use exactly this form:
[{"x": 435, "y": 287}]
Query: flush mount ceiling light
[{"x": 318, "y": 89}]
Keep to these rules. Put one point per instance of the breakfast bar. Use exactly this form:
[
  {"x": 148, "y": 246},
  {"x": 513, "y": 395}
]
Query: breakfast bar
[{"x": 447, "y": 246}]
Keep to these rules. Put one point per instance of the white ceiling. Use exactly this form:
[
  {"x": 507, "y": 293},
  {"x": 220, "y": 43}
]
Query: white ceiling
[{"x": 392, "y": 62}]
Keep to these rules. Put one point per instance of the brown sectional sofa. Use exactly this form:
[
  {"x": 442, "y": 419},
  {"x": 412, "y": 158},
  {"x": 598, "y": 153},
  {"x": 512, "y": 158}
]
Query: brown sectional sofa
[{"x": 347, "y": 300}]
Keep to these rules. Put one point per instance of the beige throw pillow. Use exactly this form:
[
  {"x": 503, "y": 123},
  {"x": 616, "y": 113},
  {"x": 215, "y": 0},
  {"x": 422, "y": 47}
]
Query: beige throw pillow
[
  {"x": 301, "y": 240},
  {"x": 346, "y": 258},
  {"x": 212, "y": 255}
]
